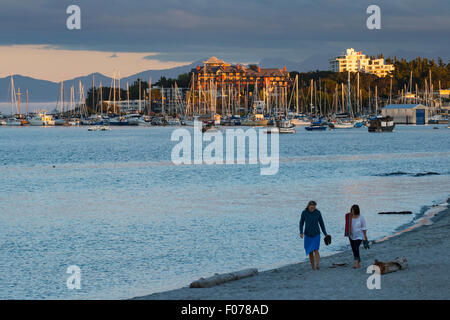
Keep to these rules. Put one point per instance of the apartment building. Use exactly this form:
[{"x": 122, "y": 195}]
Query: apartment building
[{"x": 356, "y": 61}]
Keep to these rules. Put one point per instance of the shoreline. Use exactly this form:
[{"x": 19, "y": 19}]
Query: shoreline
[{"x": 424, "y": 243}]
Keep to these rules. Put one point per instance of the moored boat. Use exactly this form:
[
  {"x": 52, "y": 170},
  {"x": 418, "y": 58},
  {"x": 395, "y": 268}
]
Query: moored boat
[
  {"x": 13, "y": 122},
  {"x": 317, "y": 126},
  {"x": 255, "y": 120},
  {"x": 300, "y": 121},
  {"x": 342, "y": 125},
  {"x": 381, "y": 124}
]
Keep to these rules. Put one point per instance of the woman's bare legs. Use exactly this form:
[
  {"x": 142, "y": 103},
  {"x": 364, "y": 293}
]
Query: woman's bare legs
[
  {"x": 311, "y": 259},
  {"x": 317, "y": 255}
]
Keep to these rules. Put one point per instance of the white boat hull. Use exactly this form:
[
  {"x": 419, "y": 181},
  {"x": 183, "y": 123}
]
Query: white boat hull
[
  {"x": 300, "y": 122},
  {"x": 343, "y": 126},
  {"x": 13, "y": 123},
  {"x": 36, "y": 122}
]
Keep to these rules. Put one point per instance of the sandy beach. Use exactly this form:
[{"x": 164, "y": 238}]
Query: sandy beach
[{"x": 426, "y": 245}]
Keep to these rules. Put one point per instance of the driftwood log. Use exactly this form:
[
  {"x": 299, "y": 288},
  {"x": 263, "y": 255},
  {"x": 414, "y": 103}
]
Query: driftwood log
[
  {"x": 392, "y": 266},
  {"x": 222, "y": 278},
  {"x": 396, "y": 212}
]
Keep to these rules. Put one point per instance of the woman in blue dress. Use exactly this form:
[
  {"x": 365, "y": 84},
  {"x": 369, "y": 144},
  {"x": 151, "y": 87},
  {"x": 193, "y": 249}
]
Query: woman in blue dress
[{"x": 310, "y": 221}]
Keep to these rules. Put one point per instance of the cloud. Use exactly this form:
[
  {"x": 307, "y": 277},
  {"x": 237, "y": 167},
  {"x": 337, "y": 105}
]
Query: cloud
[{"x": 236, "y": 30}]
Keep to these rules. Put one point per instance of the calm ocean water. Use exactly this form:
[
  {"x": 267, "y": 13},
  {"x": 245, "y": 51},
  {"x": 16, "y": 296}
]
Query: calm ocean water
[{"x": 113, "y": 204}]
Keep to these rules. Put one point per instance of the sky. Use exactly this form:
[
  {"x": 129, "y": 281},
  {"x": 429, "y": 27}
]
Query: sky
[{"x": 136, "y": 35}]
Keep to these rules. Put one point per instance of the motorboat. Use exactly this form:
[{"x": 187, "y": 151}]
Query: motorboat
[
  {"x": 342, "y": 125},
  {"x": 36, "y": 120},
  {"x": 255, "y": 120},
  {"x": 317, "y": 126},
  {"x": 13, "y": 122},
  {"x": 118, "y": 122},
  {"x": 381, "y": 124},
  {"x": 300, "y": 121},
  {"x": 173, "y": 122}
]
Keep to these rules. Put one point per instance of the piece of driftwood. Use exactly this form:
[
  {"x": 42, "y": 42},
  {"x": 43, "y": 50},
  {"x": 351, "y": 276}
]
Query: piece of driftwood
[
  {"x": 392, "y": 266},
  {"x": 222, "y": 278},
  {"x": 396, "y": 212}
]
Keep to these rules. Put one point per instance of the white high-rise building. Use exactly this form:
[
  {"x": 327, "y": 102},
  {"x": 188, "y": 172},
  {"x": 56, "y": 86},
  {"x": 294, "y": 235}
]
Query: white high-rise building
[{"x": 355, "y": 61}]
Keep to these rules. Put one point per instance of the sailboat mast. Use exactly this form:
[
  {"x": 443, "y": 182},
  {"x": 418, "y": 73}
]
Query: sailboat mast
[
  {"x": 114, "y": 93},
  {"x": 149, "y": 96},
  {"x": 62, "y": 97},
  {"x": 101, "y": 98},
  {"x": 390, "y": 92},
  {"x": 18, "y": 96},
  {"x": 357, "y": 92},
  {"x": 140, "y": 95},
  {"x": 93, "y": 96},
  {"x": 349, "y": 103},
  {"x": 376, "y": 100},
  {"x": 12, "y": 94},
  {"x": 128, "y": 97},
  {"x": 296, "y": 92}
]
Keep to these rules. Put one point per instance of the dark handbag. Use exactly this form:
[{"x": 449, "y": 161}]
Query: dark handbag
[{"x": 327, "y": 240}]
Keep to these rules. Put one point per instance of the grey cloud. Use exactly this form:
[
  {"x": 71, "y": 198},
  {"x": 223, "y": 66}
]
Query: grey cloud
[{"x": 245, "y": 29}]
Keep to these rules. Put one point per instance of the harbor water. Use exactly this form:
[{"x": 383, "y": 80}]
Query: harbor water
[{"x": 113, "y": 204}]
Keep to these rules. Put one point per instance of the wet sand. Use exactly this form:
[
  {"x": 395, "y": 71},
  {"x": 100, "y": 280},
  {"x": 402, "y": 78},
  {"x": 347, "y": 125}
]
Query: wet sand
[{"x": 426, "y": 245}]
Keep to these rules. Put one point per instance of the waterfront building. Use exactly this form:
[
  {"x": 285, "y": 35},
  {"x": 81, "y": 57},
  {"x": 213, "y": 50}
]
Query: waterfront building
[
  {"x": 356, "y": 61},
  {"x": 225, "y": 74},
  {"x": 407, "y": 113}
]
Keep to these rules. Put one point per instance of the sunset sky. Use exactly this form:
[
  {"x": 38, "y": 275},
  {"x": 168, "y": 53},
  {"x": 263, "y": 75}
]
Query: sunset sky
[{"x": 133, "y": 35}]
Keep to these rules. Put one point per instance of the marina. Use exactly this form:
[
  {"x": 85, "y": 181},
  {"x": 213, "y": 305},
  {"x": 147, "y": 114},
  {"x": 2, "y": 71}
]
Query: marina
[{"x": 224, "y": 94}]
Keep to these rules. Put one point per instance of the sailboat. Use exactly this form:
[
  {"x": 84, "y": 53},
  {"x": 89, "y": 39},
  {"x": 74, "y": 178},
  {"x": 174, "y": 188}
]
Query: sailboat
[
  {"x": 36, "y": 120},
  {"x": 256, "y": 119},
  {"x": 13, "y": 121},
  {"x": 61, "y": 121},
  {"x": 346, "y": 123}
]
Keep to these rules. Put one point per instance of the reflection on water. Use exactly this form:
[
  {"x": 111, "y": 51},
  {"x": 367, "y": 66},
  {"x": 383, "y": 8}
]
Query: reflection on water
[{"x": 113, "y": 204}]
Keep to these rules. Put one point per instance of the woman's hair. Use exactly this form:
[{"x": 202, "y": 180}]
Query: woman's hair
[
  {"x": 355, "y": 210},
  {"x": 311, "y": 203}
]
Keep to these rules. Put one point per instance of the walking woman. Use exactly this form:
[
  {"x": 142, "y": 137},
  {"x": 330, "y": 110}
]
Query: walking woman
[
  {"x": 311, "y": 219},
  {"x": 356, "y": 231}
]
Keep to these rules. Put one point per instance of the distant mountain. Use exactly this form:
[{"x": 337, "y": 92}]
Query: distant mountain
[
  {"x": 316, "y": 62},
  {"x": 45, "y": 91},
  {"x": 279, "y": 63},
  {"x": 38, "y": 90},
  {"x": 157, "y": 74}
]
